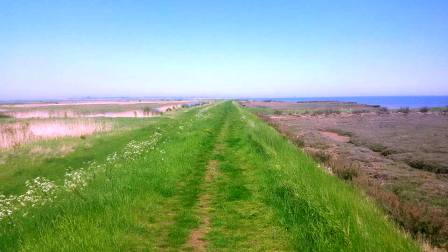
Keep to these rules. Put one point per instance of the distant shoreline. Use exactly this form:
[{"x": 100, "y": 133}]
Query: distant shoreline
[{"x": 392, "y": 102}]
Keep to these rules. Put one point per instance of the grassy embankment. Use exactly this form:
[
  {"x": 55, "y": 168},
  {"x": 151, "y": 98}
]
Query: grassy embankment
[
  {"x": 52, "y": 157},
  {"x": 219, "y": 174}
]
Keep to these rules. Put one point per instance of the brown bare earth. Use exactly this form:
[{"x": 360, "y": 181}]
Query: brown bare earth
[
  {"x": 400, "y": 159},
  {"x": 196, "y": 240}
]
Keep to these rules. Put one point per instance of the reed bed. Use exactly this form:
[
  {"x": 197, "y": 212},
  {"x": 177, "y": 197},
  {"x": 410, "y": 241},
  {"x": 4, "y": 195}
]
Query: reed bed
[
  {"x": 17, "y": 133},
  {"x": 72, "y": 114},
  {"x": 43, "y": 114}
]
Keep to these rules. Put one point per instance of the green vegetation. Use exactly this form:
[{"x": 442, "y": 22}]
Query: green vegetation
[
  {"x": 51, "y": 158},
  {"x": 443, "y": 110},
  {"x": 260, "y": 110},
  {"x": 2, "y": 115},
  {"x": 217, "y": 173},
  {"x": 404, "y": 110},
  {"x": 320, "y": 212}
]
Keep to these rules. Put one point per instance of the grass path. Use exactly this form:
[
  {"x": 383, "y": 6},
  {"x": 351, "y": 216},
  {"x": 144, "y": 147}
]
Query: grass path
[
  {"x": 197, "y": 241},
  {"x": 218, "y": 179},
  {"x": 240, "y": 219},
  {"x": 230, "y": 215}
]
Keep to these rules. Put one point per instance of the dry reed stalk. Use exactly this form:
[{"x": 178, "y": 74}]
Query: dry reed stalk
[{"x": 13, "y": 134}]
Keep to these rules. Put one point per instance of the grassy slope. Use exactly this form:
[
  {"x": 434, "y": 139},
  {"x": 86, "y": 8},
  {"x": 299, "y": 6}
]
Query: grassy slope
[
  {"x": 321, "y": 212},
  {"x": 266, "y": 195},
  {"x": 240, "y": 219},
  {"x": 21, "y": 164},
  {"x": 146, "y": 203}
]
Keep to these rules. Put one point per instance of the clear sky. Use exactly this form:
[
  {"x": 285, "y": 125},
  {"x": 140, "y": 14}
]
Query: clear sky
[{"x": 277, "y": 48}]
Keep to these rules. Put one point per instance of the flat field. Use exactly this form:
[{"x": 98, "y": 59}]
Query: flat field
[{"x": 94, "y": 108}]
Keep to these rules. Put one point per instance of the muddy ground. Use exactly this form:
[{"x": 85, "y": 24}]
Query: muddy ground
[{"x": 405, "y": 153}]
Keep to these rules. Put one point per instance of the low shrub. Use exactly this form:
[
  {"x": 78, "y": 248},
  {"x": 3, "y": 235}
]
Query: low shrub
[
  {"x": 147, "y": 110},
  {"x": 360, "y": 111},
  {"x": 326, "y": 112},
  {"x": 383, "y": 110},
  {"x": 298, "y": 140},
  {"x": 321, "y": 156},
  {"x": 444, "y": 111},
  {"x": 424, "y": 109},
  {"x": 422, "y": 221},
  {"x": 344, "y": 170},
  {"x": 385, "y": 151},
  {"x": 340, "y": 132},
  {"x": 404, "y": 110},
  {"x": 2, "y": 115}
]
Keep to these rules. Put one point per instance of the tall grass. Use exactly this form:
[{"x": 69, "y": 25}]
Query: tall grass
[
  {"x": 138, "y": 203},
  {"x": 51, "y": 157},
  {"x": 321, "y": 212},
  {"x": 3, "y": 115},
  {"x": 13, "y": 134},
  {"x": 147, "y": 202}
]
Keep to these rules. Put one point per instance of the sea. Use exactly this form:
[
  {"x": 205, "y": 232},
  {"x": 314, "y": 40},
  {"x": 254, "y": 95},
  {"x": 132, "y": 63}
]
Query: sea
[{"x": 392, "y": 102}]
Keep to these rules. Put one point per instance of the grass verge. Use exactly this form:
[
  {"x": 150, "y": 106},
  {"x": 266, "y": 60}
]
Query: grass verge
[{"x": 266, "y": 195}]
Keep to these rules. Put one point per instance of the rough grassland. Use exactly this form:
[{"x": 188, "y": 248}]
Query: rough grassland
[
  {"x": 51, "y": 158},
  {"x": 217, "y": 179}
]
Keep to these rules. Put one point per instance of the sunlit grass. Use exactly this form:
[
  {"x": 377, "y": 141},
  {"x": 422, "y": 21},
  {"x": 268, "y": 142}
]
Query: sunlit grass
[{"x": 267, "y": 194}]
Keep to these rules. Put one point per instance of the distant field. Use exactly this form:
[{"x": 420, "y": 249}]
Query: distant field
[
  {"x": 138, "y": 108},
  {"x": 210, "y": 178}
]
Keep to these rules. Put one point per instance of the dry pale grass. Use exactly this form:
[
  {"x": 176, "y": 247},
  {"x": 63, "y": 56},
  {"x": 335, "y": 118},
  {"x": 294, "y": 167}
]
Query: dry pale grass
[
  {"x": 72, "y": 114},
  {"x": 43, "y": 114},
  {"x": 13, "y": 134},
  {"x": 90, "y": 109},
  {"x": 124, "y": 114},
  {"x": 60, "y": 150}
]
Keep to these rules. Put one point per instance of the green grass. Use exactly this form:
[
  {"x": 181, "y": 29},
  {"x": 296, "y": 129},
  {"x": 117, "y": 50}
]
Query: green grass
[
  {"x": 240, "y": 218},
  {"x": 264, "y": 195},
  {"x": 321, "y": 212},
  {"x": 51, "y": 158},
  {"x": 4, "y": 116}
]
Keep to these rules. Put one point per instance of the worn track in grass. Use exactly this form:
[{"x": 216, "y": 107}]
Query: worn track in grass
[
  {"x": 196, "y": 239},
  {"x": 219, "y": 180}
]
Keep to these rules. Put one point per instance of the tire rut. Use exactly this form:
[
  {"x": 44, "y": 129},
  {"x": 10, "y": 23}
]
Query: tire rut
[{"x": 197, "y": 241}]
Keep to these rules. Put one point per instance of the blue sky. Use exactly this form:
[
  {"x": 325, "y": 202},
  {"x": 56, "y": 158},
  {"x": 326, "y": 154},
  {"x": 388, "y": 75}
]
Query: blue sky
[{"x": 65, "y": 49}]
